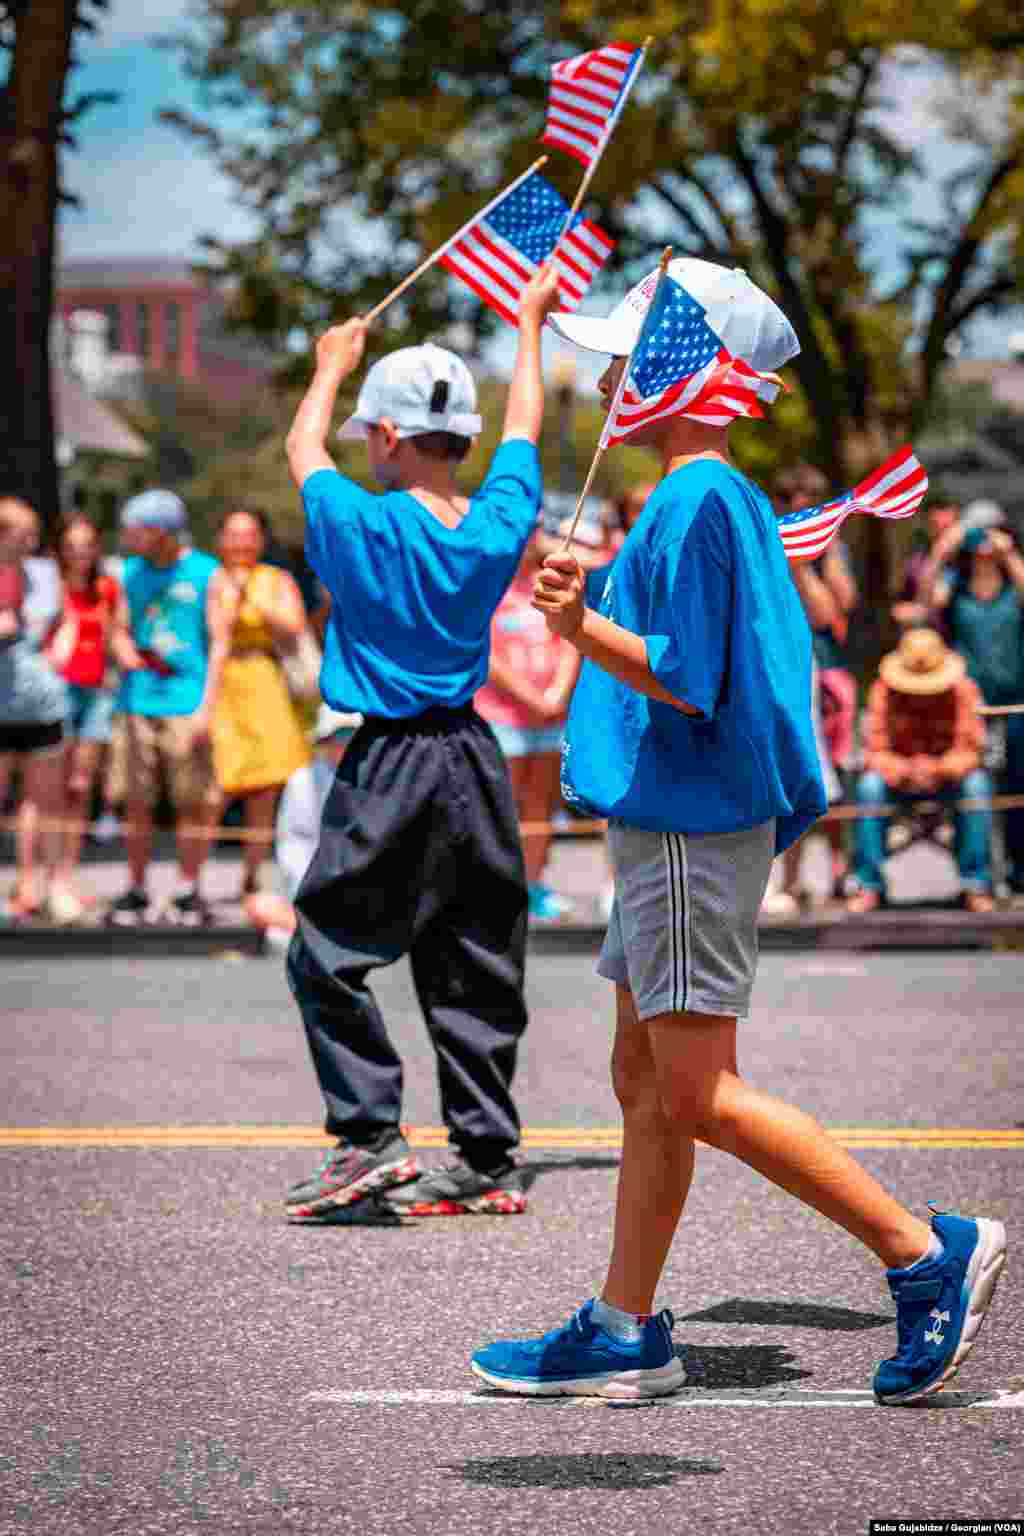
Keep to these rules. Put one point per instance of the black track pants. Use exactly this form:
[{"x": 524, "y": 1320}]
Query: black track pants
[{"x": 419, "y": 854}]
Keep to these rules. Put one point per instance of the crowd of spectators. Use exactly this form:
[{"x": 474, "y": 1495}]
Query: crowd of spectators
[
  {"x": 166, "y": 671},
  {"x": 925, "y": 732}
]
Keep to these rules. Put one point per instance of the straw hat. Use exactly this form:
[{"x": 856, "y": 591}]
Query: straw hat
[{"x": 923, "y": 664}]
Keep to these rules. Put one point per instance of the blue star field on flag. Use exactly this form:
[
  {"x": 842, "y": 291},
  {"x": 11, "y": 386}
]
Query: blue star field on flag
[
  {"x": 676, "y": 341},
  {"x": 531, "y": 218}
]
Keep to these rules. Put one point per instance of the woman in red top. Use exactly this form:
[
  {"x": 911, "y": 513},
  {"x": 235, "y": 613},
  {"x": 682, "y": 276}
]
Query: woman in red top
[{"x": 92, "y": 631}]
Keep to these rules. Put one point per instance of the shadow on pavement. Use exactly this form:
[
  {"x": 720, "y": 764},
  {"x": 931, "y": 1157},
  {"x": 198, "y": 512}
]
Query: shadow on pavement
[
  {"x": 788, "y": 1314},
  {"x": 607, "y": 1471},
  {"x": 532, "y": 1168},
  {"x": 715, "y": 1366}
]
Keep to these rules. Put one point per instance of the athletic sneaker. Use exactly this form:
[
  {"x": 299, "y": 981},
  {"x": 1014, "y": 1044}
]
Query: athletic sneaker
[
  {"x": 940, "y": 1305},
  {"x": 460, "y": 1190},
  {"x": 188, "y": 910},
  {"x": 349, "y": 1173},
  {"x": 129, "y": 909},
  {"x": 546, "y": 906},
  {"x": 582, "y": 1360}
]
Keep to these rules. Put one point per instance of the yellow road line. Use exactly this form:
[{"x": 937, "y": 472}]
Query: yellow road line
[{"x": 550, "y": 1138}]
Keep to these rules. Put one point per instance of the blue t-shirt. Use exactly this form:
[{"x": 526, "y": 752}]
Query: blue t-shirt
[
  {"x": 167, "y": 606},
  {"x": 989, "y": 634},
  {"x": 704, "y": 579},
  {"x": 412, "y": 600}
]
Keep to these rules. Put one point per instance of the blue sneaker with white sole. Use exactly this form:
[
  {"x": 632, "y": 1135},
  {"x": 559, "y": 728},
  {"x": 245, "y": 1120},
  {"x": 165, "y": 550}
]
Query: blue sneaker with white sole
[
  {"x": 940, "y": 1305},
  {"x": 582, "y": 1360}
]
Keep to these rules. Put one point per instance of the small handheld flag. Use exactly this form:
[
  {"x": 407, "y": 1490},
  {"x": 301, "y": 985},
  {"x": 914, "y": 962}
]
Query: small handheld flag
[
  {"x": 895, "y": 490},
  {"x": 587, "y": 95},
  {"x": 679, "y": 367},
  {"x": 500, "y": 251},
  {"x": 602, "y": 442}
]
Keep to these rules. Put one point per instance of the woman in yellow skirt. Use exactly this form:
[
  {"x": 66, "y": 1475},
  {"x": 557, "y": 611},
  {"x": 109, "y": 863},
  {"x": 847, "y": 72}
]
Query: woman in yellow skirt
[{"x": 258, "y": 738}]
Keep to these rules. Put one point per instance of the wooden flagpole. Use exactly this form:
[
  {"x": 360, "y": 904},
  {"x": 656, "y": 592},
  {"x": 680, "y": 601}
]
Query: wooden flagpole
[
  {"x": 602, "y": 442},
  {"x": 588, "y": 174},
  {"x": 407, "y": 282}
]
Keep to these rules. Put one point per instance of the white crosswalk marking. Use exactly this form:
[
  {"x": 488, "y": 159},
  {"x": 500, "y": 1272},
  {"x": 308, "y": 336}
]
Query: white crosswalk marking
[{"x": 688, "y": 1397}]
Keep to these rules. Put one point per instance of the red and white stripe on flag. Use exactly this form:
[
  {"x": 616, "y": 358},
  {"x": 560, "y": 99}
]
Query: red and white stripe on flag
[
  {"x": 498, "y": 271},
  {"x": 717, "y": 394},
  {"x": 584, "y": 91},
  {"x": 895, "y": 490}
]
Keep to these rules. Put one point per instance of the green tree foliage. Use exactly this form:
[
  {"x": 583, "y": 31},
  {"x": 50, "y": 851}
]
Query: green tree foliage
[{"x": 368, "y": 132}]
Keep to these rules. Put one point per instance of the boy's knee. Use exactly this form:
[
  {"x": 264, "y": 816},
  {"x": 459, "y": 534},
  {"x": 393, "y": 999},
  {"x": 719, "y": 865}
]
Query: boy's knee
[{"x": 634, "y": 1080}]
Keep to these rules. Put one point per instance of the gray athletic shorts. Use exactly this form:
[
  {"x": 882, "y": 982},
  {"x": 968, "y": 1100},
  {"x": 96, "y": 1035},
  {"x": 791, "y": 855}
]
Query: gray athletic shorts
[{"x": 682, "y": 935}]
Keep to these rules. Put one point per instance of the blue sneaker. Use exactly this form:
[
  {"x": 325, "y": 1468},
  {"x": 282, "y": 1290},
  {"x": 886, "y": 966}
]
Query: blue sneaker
[
  {"x": 940, "y": 1305},
  {"x": 546, "y": 906},
  {"x": 582, "y": 1360}
]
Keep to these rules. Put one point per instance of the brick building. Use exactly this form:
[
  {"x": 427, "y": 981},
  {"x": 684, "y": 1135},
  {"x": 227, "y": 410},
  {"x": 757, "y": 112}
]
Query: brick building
[{"x": 164, "y": 316}]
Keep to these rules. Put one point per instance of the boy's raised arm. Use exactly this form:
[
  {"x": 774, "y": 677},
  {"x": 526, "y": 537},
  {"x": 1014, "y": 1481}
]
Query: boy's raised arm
[
  {"x": 338, "y": 353},
  {"x": 525, "y": 409}
]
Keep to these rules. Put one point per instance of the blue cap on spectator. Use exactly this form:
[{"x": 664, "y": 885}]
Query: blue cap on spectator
[{"x": 155, "y": 509}]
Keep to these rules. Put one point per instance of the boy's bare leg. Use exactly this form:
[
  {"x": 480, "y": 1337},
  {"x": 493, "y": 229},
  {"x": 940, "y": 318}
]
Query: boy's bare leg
[
  {"x": 704, "y": 1097},
  {"x": 655, "y": 1173}
]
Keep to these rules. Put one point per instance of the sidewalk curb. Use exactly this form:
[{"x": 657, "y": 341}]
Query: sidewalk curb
[
  {"x": 163, "y": 939},
  {"x": 895, "y": 929}
]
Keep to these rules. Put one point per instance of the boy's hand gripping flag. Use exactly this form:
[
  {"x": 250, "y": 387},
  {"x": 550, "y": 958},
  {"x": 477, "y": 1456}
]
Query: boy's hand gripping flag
[
  {"x": 679, "y": 367},
  {"x": 499, "y": 253},
  {"x": 895, "y": 490},
  {"x": 588, "y": 93}
]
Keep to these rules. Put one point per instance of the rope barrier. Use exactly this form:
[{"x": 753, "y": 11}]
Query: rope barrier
[{"x": 924, "y": 806}]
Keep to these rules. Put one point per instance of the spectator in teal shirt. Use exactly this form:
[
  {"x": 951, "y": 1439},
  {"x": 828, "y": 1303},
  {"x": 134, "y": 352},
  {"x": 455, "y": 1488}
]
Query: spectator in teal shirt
[{"x": 983, "y": 595}]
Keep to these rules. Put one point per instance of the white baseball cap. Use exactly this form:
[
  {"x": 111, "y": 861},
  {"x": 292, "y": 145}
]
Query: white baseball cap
[
  {"x": 421, "y": 389},
  {"x": 748, "y": 323}
]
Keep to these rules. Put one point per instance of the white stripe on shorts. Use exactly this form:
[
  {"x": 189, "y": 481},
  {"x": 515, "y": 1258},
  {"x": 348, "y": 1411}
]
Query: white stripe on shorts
[{"x": 679, "y": 917}]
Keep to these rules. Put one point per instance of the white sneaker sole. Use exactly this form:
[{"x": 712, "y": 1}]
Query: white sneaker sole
[
  {"x": 656, "y": 1382},
  {"x": 987, "y": 1263}
]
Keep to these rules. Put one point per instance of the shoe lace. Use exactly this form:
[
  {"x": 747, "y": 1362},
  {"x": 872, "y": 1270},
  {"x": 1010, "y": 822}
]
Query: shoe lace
[
  {"x": 332, "y": 1157},
  {"x": 576, "y": 1327}
]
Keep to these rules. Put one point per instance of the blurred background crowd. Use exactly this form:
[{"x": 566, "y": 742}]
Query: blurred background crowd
[
  {"x": 193, "y": 194},
  {"x": 146, "y": 682}
]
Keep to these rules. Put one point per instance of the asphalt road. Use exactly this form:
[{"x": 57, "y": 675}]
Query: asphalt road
[{"x": 173, "y": 1356}]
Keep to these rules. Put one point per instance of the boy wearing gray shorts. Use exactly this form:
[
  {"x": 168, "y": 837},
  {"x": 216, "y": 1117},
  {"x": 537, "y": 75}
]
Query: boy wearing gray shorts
[{"x": 691, "y": 731}]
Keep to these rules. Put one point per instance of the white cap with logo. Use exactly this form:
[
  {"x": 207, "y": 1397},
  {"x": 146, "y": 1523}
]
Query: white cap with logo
[
  {"x": 749, "y": 324},
  {"x": 421, "y": 389}
]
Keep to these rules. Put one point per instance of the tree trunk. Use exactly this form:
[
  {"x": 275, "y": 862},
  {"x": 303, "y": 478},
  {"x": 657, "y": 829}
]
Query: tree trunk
[{"x": 29, "y": 132}]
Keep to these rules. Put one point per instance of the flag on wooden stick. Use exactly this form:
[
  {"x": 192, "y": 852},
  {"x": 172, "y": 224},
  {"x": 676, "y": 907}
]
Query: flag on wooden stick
[
  {"x": 498, "y": 253},
  {"x": 679, "y": 367},
  {"x": 587, "y": 95}
]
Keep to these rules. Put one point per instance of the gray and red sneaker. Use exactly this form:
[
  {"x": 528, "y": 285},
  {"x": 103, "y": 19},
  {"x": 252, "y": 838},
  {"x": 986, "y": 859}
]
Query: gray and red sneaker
[
  {"x": 460, "y": 1190},
  {"x": 349, "y": 1173}
]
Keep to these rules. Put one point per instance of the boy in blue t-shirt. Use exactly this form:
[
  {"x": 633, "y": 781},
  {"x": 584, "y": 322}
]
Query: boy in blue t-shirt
[
  {"x": 690, "y": 729},
  {"x": 419, "y": 849}
]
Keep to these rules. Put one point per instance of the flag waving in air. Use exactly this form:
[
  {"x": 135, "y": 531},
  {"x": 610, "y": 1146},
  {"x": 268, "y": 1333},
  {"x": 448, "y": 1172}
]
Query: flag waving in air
[
  {"x": 895, "y": 490},
  {"x": 499, "y": 253},
  {"x": 587, "y": 95},
  {"x": 680, "y": 367}
]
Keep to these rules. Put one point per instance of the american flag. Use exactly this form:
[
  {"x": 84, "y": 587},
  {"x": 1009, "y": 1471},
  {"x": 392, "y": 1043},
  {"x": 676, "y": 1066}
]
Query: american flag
[
  {"x": 679, "y": 367},
  {"x": 499, "y": 253},
  {"x": 585, "y": 94},
  {"x": 895, "y": 490}
]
